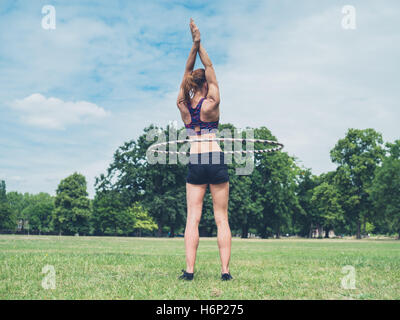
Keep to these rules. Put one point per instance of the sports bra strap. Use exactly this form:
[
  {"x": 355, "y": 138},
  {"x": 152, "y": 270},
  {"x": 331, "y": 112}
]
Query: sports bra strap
[
  {"x": 195, "y": 119},
  {"x": 199, "y": 103}
]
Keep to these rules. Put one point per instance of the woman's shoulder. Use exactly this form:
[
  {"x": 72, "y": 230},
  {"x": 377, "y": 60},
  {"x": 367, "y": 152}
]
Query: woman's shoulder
[{"x": 210, "y": 104}]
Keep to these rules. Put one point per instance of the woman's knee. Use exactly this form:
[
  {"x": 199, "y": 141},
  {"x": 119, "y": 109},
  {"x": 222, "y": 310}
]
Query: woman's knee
[
  {"x": 193, "y": 217},
  {"x": 221, "y": 219},
  {"x": 193, "y": 221}
]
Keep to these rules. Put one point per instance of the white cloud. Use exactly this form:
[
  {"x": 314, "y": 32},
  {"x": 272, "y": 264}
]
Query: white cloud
[{"x": 53, "y": 113}]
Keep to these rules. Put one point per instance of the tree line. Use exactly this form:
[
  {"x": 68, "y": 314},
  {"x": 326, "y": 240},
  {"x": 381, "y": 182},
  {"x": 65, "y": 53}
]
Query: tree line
[{"x": 136, "y": 198}]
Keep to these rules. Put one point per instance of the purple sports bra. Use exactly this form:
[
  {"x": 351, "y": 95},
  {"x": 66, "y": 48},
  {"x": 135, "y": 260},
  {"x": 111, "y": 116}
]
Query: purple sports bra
[{"x": 196, "y": 122}]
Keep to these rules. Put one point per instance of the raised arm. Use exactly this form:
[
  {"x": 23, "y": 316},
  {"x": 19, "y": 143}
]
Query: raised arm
[
  {"x": 188, "y": 69},
  {"x": 192, "y": 58},
  {"x": 190, "y": 61},
  {"x": 213, "y": 89}
]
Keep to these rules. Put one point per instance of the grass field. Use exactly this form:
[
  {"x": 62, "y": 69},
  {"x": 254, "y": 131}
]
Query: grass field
[{"x": 147, "y": 268}]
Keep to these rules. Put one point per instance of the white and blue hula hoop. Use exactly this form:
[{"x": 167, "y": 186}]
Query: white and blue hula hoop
[{"x": 277, "y": 146}]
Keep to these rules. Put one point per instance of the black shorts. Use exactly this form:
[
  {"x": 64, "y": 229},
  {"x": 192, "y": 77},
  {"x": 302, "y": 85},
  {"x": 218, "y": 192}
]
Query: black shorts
[{"x": 207, "y": 168}]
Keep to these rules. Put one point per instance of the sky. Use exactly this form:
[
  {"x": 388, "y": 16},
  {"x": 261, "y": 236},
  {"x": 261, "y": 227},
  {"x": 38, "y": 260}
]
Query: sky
[{"x": 70, "y": 96}]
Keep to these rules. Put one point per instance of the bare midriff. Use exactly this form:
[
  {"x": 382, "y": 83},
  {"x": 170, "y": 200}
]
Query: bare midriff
[{"x": 204, "y": 146}]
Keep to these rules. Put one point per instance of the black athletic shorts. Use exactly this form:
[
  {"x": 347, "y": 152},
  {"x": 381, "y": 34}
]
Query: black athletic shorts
[{"x": 207, "y": 168}]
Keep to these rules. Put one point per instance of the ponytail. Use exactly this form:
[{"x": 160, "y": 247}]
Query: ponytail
[
  {"x": 189, "y": 87},
  {"x": 193, "y": 82}
]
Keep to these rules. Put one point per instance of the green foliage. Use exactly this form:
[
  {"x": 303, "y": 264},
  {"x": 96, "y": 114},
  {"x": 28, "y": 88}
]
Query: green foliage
[
  {"x": 7, "y": 219},
  {"x": 325, "y": 202},
  {"x": 72, "y": 207},
  {"x": 244, "y": 207},
  {"x": 109, "y": 214},
  {"x": 134, "y": 196},
  {"x": 369, "y": 227},
  {"x": 274, "y": 197},
  {"x": 357, "y": 156},
  {"x": 304, "y": 220},
  {"x": 160, "y": 188},
  {"x": 112, "y": 217},
  {"x": 385, "y": 193},
  {"x": 276, "y": 188},
  {"x": 18, "y": 202},
  {"x": 3, "y": 192},
  {"x": 143, "y": 222},
  {"x": 394, "y": 149},
  {"x": 32, "y": 213},
  {"x": 39, "y": 212}
]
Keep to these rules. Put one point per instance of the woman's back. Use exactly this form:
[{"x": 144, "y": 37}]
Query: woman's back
[{"x": 198, "y": 128}]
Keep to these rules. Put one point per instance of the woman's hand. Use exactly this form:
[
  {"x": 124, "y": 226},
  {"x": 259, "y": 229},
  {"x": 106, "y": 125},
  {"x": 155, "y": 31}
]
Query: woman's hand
[{"x": 195, "y": 31}]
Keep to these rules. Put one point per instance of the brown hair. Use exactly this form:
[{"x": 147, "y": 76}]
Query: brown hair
[{"x": 193, "y": 82}]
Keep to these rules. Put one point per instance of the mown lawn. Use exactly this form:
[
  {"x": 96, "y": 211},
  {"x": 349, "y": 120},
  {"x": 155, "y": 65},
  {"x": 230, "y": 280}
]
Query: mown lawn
[{"x": 147, "y": 268}]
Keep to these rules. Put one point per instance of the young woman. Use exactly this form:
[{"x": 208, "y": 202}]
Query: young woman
[{"x": 198, "y": 102}]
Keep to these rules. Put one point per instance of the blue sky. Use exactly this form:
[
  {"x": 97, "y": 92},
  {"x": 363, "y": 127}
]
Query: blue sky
[{"x": 69, "y": 97}]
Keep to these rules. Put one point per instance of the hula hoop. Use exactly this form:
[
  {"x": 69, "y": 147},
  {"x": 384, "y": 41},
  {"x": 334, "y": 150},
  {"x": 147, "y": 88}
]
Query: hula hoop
[{"x": 278, "y": 145}]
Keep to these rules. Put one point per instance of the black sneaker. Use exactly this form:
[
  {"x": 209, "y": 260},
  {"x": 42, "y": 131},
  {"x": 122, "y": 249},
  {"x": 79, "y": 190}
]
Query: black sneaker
[
  {"x": 226, "y": 276},
  {"x": 186, "y": 276}
]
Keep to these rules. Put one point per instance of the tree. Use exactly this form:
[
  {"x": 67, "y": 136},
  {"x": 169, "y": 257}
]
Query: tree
[
  {"x": 276, "y": 187},
  {"x": 394, "y": 149},
  {"x": 18, "y": 202},
  {"x": 143, "y": 222},
  {"x": 39, "y": 212},
  {"x": 357, "y": 156},
  {"x": 107, "y": 206},
  {"x": 304, "y": 220},
  {"x": 72, "y": 207},
  {"x": 242, "y": 209},
  {"x": 325, "y": 202},
  {"x": 7, "y": 219},
  {"x": 32, "y": 212},
  {"x": 244, "y": 205},
  {"x": 160, "y": 188},
  {"x": 385, "y": 189}
]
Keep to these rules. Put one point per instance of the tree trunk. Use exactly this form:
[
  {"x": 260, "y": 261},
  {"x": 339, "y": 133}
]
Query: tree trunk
[
  {"x": 319, "y": 228},
  {"x": 364, "y": 232},
  {"x": 264, "y": 232},
  {"x": 327, "y": 233},
  {"x": 245, "y": 231},
  {"x": 159, "y": 231},
  {"x": 210, "y": 231},
  {"x": 172, "y": 232},
  {"x": 311, "y": 230},
  {"x": 278, "y": 232},
  {"x": 358, "y": 229}
]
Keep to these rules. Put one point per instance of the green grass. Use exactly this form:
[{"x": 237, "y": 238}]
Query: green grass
[{"x": 147, "y": 268}]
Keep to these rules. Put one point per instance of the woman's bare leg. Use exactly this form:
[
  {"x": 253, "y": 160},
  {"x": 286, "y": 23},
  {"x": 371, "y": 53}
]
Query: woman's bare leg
[
  {"x": 220, "y": 196},
  {"x": 194, "y": 196}
]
